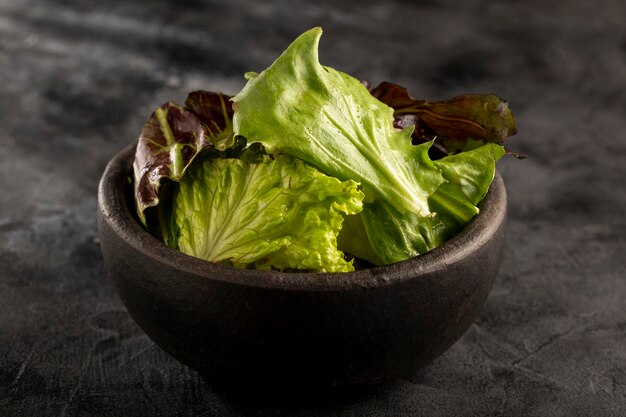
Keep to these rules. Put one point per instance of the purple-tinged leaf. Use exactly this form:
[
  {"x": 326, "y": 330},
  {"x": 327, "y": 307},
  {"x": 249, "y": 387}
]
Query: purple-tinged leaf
[
  {"x": 169, "y": 141},
  {"x": 482, "y": 117},
  {"x": 174, "y": 136},
  {"x": 215, "y": 111}
]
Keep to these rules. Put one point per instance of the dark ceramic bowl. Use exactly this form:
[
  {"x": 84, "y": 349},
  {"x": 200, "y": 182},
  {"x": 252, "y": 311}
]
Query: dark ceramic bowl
[{"x": 298, "y": 328}]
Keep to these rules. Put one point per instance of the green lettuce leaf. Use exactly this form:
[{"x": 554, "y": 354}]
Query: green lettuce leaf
[
  {"x": 383, "y": 235},
  {"x": 280, "y": 213},
  {"x": 399, "y": 235},
  {"x": 330, "y": 120},
  {"x": 468, "y": 176}
]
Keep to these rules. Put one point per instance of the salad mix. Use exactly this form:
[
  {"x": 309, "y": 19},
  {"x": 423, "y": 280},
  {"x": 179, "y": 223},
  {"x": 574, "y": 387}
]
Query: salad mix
[{"x": 308, "y": 168}]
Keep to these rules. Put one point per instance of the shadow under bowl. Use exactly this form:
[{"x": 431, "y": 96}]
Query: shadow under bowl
[{"x": 321, "y": 329}]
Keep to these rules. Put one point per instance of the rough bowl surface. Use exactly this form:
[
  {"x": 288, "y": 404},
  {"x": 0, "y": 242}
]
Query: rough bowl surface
[{"x": 323, "y": 329}]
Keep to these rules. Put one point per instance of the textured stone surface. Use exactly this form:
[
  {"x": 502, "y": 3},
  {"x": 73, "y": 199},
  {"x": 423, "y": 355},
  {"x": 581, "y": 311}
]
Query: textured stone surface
[{"x": 78, "y": 78}]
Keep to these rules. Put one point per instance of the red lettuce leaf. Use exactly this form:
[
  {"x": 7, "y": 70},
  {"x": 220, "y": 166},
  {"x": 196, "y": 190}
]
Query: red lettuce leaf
[
  {"x": 480, "y": 117},
  {"x": 215, "y": 111},
  {"x": 169, "y": 141},
  {"x": 173, "y": 137}
]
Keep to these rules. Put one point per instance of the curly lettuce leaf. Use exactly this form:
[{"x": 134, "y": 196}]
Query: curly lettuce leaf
[
  {"x": 480, "y": 117},
  {"x": 280, "y": 213},
  {"x": 330, "y": 120}
]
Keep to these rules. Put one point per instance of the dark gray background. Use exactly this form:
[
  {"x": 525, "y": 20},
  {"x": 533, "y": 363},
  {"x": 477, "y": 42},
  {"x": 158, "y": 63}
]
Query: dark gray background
[{"x": 78, "y": 79}]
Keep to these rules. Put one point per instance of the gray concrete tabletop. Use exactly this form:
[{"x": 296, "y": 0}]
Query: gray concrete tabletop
[{"x": 78, "y": 78}]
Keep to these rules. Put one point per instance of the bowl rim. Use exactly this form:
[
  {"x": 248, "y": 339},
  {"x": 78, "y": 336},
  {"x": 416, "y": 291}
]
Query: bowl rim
[{"x": 116, "y": 212}]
